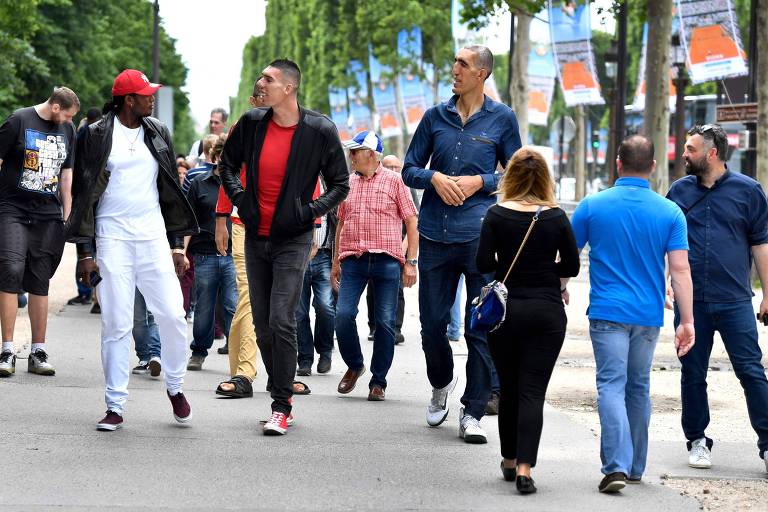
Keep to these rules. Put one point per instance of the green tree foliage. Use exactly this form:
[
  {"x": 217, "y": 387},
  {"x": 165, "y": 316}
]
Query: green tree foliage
[
  {"x": 83, "y": 44},
  {"x": 322, "y": 36}
]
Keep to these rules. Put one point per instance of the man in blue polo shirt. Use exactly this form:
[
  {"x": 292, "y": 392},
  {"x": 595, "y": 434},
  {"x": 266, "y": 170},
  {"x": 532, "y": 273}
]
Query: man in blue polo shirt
[
  {"x": 630, "y": 229},
  {"x": 463, "y": 140},
  {"x": 727, "y": 218}
]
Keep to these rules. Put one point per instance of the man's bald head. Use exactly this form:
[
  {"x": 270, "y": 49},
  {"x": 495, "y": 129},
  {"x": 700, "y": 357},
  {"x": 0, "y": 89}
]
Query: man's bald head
[
  {"x": 392, "y": 163},
  {"x": 636, "y": 156}
]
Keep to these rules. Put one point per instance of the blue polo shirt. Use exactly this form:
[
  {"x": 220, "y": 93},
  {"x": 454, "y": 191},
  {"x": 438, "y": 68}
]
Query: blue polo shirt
[
  {"x": 724, "y": 222},
  {"x": 444, "y": 144},
  {"x": 629, "y": 229}
]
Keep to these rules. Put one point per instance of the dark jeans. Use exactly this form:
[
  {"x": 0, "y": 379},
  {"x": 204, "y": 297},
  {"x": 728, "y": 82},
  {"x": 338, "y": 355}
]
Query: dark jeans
[
  {"x": 214, "y": 277},
  {"x": 736, "y": 324},
  {"x": 275, "y": 275},
  {"x": 525, "y": 349},
  {"x": 384, "y": 271},
  {"x": 146, "y": 334},
  {"x": 440, "y": 266},
  {"x": 371, "y": 301},
  {"x": 317, "y": 280}
]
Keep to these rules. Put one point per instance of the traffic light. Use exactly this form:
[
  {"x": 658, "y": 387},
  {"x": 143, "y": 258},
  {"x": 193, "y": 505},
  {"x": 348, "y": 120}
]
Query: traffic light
[{"x": 595, "y": 139}]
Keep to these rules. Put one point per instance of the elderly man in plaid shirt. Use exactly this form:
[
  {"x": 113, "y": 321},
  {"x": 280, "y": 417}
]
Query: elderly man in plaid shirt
[{"x": 369, "y": 247}]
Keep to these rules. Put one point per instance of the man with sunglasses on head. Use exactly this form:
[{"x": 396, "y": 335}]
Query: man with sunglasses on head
[
  {"x": 727, "y": 216},
  {"x": 126, "y": 193}
]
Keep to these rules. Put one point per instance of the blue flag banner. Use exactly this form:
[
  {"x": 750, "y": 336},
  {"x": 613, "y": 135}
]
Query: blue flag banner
[
  {"x": 358, "y": 98},
  {"x": 571, "y": 34},
  {"x": 384, "y": 98}
]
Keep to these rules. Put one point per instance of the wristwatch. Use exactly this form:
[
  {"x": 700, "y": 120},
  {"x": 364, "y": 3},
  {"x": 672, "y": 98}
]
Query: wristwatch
[
  {"x": 177, "y": 251},
  {"x": 413, "y": 262}
]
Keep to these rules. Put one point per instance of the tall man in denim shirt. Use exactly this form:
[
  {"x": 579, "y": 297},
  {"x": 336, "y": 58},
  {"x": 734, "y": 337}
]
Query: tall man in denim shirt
[
  {"x": 727, "y": 218},
  {"x": 463, "y": 140}
]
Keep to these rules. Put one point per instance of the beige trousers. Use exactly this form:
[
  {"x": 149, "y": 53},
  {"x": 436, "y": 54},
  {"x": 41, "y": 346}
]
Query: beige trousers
[{"x": 242, "y": 337}]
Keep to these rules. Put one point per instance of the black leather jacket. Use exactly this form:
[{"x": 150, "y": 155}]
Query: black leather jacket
[
  {"x": 315, "y": 151},
  {"x": 90, "y": 179}
]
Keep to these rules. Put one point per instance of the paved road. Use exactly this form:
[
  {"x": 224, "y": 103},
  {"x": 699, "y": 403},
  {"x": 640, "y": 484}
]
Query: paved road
[{"x": 343, "y": 453}]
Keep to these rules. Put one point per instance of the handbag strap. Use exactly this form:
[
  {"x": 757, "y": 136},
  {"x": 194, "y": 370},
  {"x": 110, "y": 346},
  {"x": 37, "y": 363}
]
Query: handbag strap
[{"x": 522, "y": 244}]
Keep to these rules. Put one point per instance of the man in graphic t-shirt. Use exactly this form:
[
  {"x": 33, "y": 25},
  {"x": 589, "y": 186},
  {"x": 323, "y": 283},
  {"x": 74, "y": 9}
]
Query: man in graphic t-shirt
[
  {"x": 285, "y": 148},
  {"x": 36, "y": 154}
]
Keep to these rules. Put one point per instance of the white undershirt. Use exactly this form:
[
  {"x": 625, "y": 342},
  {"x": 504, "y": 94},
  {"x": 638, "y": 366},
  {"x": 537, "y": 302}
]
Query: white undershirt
[{"x": 129, "y": 209}]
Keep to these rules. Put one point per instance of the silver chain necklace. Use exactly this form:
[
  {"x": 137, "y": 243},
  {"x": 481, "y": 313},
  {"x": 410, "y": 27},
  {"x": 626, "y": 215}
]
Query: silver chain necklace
[{"x": 123, "y": 129}]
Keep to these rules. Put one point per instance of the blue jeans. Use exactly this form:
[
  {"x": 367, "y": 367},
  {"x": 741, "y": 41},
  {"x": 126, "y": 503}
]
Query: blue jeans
[
  {"x": 384, "y": 271},
  {"x": 214, "y": 275},
  {"x": 146, "y": 334},
  {"x": 317, "y": 279},
  {"x": 736, "y": 324},
  {"x": 440, "y": 267},
  {"x": 623, "y": 354},
  {"x": 454, "y": 328}
]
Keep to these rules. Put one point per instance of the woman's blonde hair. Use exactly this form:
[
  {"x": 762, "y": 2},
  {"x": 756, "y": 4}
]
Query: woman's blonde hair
[
  {"x": 526, "y": 179},
  {"x": 217, "y": 147}
]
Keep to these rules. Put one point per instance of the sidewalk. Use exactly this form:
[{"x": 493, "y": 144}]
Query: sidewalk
[{"x": 343, "y": 453}]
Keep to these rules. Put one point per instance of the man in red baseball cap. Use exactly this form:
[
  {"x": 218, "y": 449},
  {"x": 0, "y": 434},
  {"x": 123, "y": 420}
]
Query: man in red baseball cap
[{"x": 126, "y": 194}]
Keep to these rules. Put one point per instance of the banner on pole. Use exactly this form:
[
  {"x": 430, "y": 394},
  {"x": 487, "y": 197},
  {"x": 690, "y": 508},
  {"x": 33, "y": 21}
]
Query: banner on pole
[
  {"x": 337, "y": 98},
  {"x": 414, "y": 101},
  {"x": 384, "y": 98},
  {"x": 358, "y": 98},
  {"x": 711, "y": 38},
  {"x": 571, "y": 32},
  {"x": 639, "y": 100}
]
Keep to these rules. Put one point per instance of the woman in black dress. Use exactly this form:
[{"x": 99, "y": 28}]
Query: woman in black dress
[{"x": 526, "y": 346}]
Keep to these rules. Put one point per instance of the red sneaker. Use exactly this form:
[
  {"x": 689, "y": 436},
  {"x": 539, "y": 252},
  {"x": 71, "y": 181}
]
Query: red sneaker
[
  {"x": 277, "y": 425},
  {"x": 112, "y": 421},
  {"x": 181, "y": 409}
]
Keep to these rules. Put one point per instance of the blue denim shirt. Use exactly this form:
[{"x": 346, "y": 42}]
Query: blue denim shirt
[
  {"x": 488, "y": 138},
  {"x": 724, "y": 222}
]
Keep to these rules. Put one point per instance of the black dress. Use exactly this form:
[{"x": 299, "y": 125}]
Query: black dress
[{"x": 526, "y": 346}]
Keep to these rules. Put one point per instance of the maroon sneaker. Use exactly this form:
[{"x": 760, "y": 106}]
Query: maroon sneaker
[
  {"x": 112, "y": 421},
  {"x": 181, "y": 409}
]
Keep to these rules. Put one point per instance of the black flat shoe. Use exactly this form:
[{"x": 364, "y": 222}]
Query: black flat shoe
[
  {"x": 525, "y": 485},
  {"x": 509, "y": 473}
]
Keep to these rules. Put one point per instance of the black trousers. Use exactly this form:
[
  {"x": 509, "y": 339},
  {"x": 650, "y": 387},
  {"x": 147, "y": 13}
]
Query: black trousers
[
  {"x": 524, "y": 350},
  {"x": 275, "y": 275}
]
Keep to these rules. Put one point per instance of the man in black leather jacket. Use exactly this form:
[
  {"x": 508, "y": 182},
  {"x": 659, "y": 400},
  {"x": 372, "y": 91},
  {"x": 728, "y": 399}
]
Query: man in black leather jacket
[
  {"x": 126, "y": 193},
  {"x": 285, "y": 148}
]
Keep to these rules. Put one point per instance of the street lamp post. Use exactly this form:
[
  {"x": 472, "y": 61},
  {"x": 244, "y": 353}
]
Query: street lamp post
[
  {"x": 610, "y": 155},
  {"x": 681, "y": 81}
]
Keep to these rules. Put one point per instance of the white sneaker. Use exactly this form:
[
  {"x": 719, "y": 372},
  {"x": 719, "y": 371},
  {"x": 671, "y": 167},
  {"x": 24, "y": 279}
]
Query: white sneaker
[
  {"x": 7, "y": 363},
  {"x": 437, "y": 410},
  {"x": 470, "y": 430},
  {"x": 699, "y": 456},
  {"x": 37, "y": 362}
]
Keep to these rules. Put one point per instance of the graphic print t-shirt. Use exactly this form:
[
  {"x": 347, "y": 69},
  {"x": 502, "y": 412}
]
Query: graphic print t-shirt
[{"x": 33, "y": 151}]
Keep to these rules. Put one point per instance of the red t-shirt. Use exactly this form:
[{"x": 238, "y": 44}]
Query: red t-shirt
[{"x": 272, "y": 162}]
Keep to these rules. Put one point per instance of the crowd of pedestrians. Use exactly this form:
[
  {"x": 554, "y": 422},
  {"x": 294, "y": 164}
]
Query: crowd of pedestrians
[{"x": 270, "y": 219}]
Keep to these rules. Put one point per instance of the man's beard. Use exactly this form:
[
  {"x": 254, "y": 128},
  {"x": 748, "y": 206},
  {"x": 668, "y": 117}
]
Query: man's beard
[{"x": 693, "y": 168}]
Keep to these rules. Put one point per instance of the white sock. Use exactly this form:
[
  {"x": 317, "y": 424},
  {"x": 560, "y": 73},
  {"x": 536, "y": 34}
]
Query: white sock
[
  {"x": 7, "y": 346},
  {"x": 37, "y": 346}
]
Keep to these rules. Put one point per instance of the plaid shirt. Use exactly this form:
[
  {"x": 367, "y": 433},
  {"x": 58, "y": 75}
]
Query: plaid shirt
[{"x": 373, "y": 215}]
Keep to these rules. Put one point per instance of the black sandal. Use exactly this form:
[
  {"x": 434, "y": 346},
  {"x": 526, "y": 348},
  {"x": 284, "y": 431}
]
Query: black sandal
[
  {"x": 243, "y": 388},
  {"x": 299, "y": 388}
]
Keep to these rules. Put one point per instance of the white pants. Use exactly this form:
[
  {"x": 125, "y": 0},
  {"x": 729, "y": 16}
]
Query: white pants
[{"x": 148, "y": 266}]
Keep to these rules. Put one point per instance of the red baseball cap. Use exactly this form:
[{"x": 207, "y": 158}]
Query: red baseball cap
[{"x": 133, "y": 81}]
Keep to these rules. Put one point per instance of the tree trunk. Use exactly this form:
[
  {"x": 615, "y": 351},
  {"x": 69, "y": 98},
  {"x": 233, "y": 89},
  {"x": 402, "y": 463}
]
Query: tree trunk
[
  {"x": 762, "y": 99},
  {"x": 656, "y": 118},
  {"x": 518, "y": 89},
  {"x": 579, "y": 160}
]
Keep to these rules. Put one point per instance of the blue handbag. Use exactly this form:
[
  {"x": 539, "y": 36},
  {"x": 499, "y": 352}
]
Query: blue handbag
[{"x": 489, "y": 309}]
